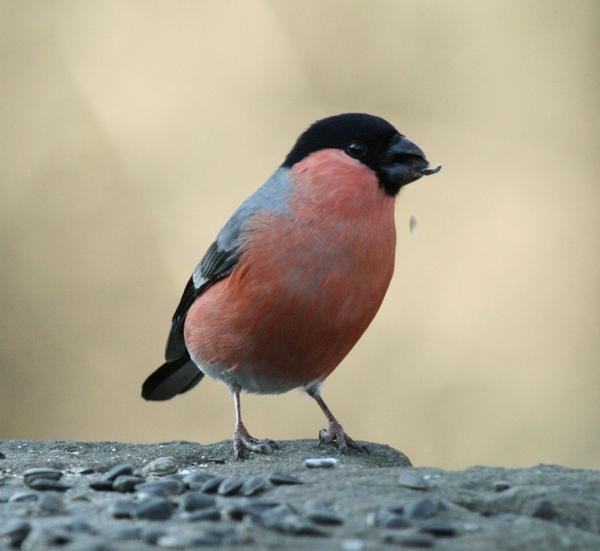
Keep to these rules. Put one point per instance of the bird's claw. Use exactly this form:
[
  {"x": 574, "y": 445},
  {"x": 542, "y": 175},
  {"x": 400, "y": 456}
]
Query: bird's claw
[
  {"x": 335, "y": 435},
  {"x": 243, "y": 441}
]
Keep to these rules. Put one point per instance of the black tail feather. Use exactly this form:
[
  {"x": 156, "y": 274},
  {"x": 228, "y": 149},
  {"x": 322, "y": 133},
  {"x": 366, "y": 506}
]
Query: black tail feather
[{"x": 171, "y": 378}]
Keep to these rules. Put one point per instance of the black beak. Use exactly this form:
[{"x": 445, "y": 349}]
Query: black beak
[{"x": 403, "y": 163}]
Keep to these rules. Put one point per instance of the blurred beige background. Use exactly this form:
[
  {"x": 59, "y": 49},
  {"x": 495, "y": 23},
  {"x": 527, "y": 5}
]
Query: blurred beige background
[{"x": 130, "y": 130}]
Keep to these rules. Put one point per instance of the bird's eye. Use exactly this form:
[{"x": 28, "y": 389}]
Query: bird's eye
[{"x": 357, "y": 150}]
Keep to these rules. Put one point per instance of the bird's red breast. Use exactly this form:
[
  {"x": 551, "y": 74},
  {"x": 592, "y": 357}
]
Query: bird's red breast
[{"x": 308, "y": 283}]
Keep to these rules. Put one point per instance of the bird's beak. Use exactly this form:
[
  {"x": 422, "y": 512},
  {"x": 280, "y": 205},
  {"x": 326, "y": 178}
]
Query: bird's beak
[{"x": 405, "y": 162}]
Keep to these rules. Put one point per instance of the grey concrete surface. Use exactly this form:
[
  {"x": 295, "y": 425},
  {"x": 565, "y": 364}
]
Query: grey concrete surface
[{"x": 364, "y": 502}]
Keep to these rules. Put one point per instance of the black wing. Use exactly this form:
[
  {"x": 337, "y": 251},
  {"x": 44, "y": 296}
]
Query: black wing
[
  {"x": 215, "y": 265},
  {"x": 179, "y": 373},
  {"x": 172, "y": 378}
]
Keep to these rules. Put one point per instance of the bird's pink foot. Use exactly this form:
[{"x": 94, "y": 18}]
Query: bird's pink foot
[
  {"x": 335, "y": 435},
  {"x": 242, "y": 440}
]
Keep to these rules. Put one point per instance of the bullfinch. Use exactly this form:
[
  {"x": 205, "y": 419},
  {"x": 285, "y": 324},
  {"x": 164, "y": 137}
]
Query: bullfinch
[{"x": 296, "y": 275}]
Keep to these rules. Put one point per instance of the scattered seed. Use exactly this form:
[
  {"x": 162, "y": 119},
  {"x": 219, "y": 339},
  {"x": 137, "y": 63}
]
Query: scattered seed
[
  {"x": 154, "y": 508},
  {"x": 152, "y": 535},
  {"x": 438, "y": 528},
  {"x": 212, "y": 485},
  {"x": 80, "y": 496},
  {"x": 194, "y": 481},
  {"x": 174, "y": 541},
  {"x": 230, "y": 486},
  {"x": 23, "y": 497},
  {"x": 83, "y": 470},
  {"x": 321, "y": 463},
  {"x": 409, "y": 538},
  {"x": 102, "y": 485},
  {"x": 422, "y": 508},
  {"x": 210, "y": 513},
  {"x": 237, "y": 512},
  {"x": 253, "y": 486},
  {"x": 353, "y": 545},
  {"x": 41, "y": 472},
  {"x": 540, "y": 508},
  {"x": 44, "y": 537},
  {"x": 293, "y": 524},
  {"x": 123, "y": 508},
  {"x": 279, "y": 479},
  {"x": 160, "y": 467},
  {"x": 396, "y": 522},
  {"x": 412, "y": 224},
  {"x": 501, "y": 486},
  {"x": 123, "y": 469},
  {"x": 274, "y": 514},
  {"x": 161, "y": 488},
  {"x": 260, "y": 506},
  {"x": 325, "y": 517},
  {"x": 379, "y": 517},
  {"x": 126, "y": 483},
  {"x": 396, "y": 508},
  {"x": 45, "y": 485},
  {"x": 412, "y": 480},
  {"x": 15, "y": 531},
  {"x": 194, "y": 501},
  {"x": 122, "y": 533},
  {"x": 208, "y": 538}
]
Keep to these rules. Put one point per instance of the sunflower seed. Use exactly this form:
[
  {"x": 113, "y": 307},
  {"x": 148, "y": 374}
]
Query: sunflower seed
[
  {"x": 45, "y": 485},
  {"x": 47, "y": 474},
  {"x": 321, "y": 463},
  {"x": 126, "y": 483},
  {"x": 212, "y": 485},
  {"x": 123, "y": 469},
  {"x": 160, "y": 467},
  {"x": 210, "y": 513},
  {"x": 422, "y": 508},
  {"x": 253, "y": 486},
  {"x": 279, "y": 479},
  {"x": 409, "y": 538},
  {"x": 438, "y": 528},
  {"x": 230, "y": 486},
  {"x": 412, "y": 480},
  {"x": 192, "y": 501},
  {"x": 155, "y": 508}
]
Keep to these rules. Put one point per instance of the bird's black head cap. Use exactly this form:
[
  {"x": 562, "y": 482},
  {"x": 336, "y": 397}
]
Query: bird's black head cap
[
  {"x": 339, "y": 131},
  {"x": 369, "y": 139}
]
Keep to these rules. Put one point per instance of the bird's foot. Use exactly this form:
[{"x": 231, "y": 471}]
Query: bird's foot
[
  {"x": 242, "y": 441},
  {"x": 335, "y": 435}
]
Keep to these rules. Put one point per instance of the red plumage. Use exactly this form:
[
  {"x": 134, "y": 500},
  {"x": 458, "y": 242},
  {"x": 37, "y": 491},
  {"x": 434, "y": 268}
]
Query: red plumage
[{"x": 307, "y": 284}]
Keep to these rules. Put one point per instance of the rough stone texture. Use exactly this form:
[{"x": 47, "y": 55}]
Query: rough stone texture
[{"x": 542, "y": 507}]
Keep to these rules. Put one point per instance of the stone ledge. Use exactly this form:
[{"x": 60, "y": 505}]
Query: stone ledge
[{"x": 364, "y": 502}]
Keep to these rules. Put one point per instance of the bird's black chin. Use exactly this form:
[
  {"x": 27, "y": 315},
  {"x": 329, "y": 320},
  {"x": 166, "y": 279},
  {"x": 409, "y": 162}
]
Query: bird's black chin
[{"x": 403, "y": 163}]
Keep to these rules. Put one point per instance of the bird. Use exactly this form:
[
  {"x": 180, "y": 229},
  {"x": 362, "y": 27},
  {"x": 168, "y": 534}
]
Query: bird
[{"x": 296, "y": 275}]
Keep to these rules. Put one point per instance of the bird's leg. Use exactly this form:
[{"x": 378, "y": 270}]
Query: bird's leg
[
  {"x": 335, "y": 433},
  {"x": 242, "y": 440}
]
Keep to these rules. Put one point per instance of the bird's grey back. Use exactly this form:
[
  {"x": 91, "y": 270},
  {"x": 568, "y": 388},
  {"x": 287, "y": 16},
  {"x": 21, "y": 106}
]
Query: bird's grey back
[{"x": 272, "y": 196}]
